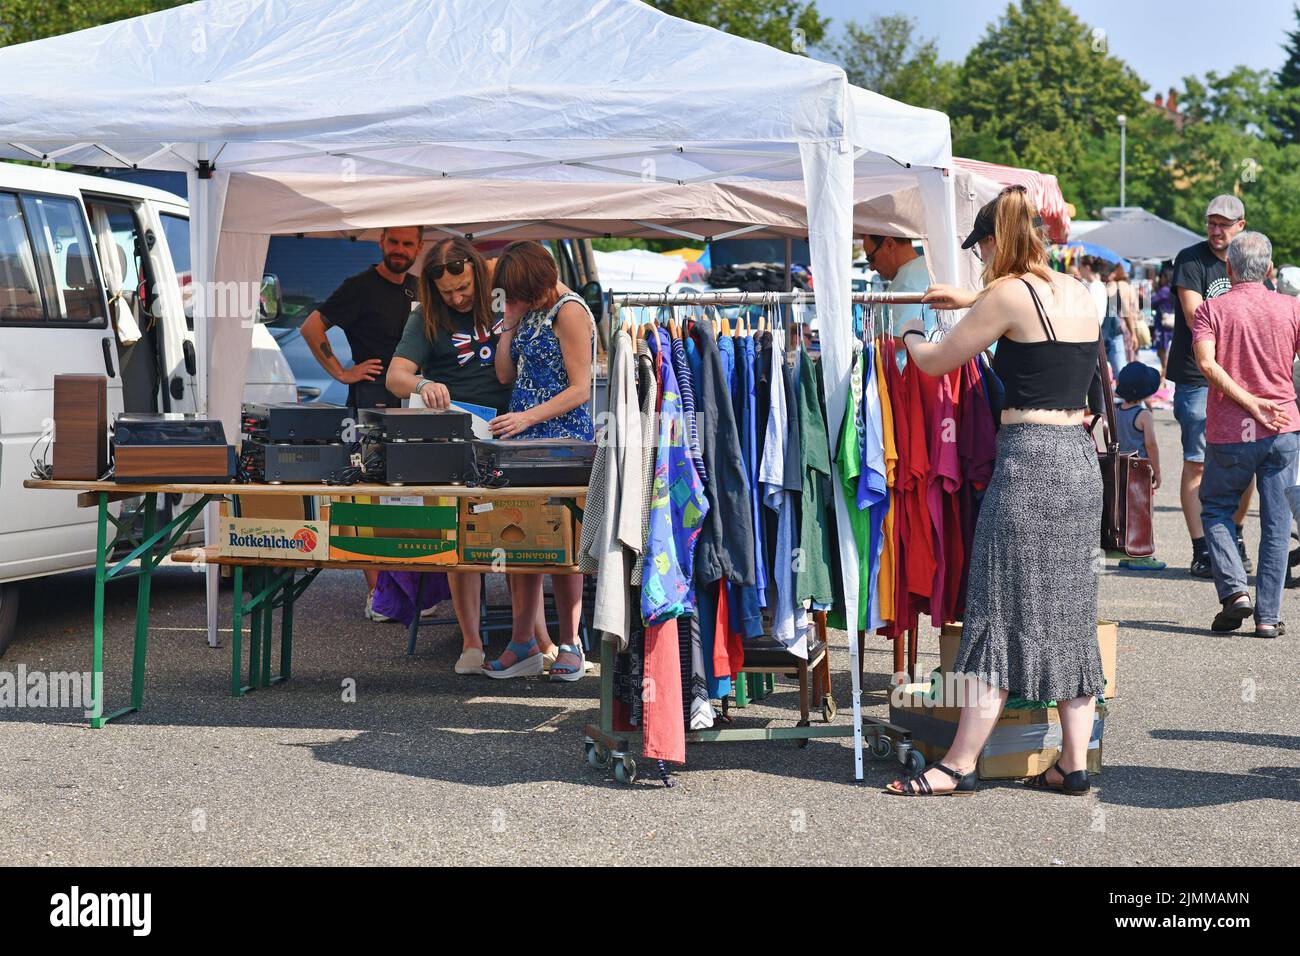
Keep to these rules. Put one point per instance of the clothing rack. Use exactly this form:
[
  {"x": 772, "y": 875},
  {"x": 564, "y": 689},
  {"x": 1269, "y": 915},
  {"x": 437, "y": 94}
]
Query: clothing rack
[
  {"x": 605, "y": 746},
  {"x": 756, "y": 298}
]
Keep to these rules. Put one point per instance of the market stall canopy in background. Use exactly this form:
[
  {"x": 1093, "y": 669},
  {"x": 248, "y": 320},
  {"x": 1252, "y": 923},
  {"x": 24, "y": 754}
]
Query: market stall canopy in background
[{"x": 1138, "y": 234}]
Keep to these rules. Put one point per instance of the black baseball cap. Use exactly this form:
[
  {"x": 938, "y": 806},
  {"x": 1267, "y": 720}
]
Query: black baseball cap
[
  {"x": 984, "y": 220},
  {"x": 987, "y": 216}
]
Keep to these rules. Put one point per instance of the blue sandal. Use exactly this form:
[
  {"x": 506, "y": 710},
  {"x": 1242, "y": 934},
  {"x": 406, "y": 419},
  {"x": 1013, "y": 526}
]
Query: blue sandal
[
  {"x": 527, "y": 661},
  {"x": 568, "y": 672}
]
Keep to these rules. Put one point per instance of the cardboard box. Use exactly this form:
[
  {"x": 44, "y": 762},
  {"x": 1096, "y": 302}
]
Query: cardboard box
[
  {"x": 1107, "y": 641},
  {"x": 1023, "y": 743},
  {"x": 273, "y": 538},
  {"x": 516, "y": 530},
  {"x": 287, "y": 507},
  {"x": 395, "y": 530}
]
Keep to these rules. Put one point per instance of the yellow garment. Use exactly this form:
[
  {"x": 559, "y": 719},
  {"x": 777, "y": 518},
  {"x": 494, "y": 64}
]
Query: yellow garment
[{"x": 885, "y": 578}]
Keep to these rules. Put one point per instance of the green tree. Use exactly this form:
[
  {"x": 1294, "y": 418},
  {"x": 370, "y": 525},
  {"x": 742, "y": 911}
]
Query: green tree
[
  {"x": 23, "y": 20},
  {"x": 887, "y": 57},
  {"x": 1286, "y": 113},
  {"x": 790, "y": 25},
  {"x": 1042, "y": 84}
]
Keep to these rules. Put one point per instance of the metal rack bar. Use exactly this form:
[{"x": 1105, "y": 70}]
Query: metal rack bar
[{"x": 756, "y": 298}]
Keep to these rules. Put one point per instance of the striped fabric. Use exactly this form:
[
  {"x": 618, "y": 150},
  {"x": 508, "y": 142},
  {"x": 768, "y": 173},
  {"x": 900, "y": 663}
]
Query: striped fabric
[{"x": 1043, "y": 189}]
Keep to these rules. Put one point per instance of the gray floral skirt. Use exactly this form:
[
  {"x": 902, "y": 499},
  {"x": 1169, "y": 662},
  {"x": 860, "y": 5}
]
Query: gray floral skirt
[{"x": 1031, "y": 603}]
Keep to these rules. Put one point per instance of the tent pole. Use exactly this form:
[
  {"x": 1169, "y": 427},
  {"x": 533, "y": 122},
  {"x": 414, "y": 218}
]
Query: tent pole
[
  {"x": 789, "y": 254},
  {"x": 201, "y": 279}
]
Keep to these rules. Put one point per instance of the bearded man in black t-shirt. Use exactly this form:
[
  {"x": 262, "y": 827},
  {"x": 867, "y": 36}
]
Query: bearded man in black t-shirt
[
  {"x": 371, "y": 308},
  {"x": 1201, "y": 273}
]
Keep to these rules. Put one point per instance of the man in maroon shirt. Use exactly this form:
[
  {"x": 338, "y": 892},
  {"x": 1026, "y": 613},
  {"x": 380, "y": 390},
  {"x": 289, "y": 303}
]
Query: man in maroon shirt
[{"x": 1245, "y": 341}]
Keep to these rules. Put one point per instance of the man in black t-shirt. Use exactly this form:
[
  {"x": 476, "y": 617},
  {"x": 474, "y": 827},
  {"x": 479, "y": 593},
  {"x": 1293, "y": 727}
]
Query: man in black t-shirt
[
  {"x": 371, "y": 308},
  {"x": 1201, "y": 273}
]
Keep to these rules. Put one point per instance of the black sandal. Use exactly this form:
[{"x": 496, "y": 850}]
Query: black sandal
[
  {"x": 918, "y": 786},
  {"x": 1073, "y": 784},
  {"x": 1270, "y": 630},
  {"x": 1234, "y": 612}
]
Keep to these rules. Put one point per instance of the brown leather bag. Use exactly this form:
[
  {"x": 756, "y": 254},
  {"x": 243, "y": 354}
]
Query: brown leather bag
[{"x": 1126, "y": 485}]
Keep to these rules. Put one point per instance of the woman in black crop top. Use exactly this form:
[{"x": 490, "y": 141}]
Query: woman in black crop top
[{"x": 1031, "y": 608}]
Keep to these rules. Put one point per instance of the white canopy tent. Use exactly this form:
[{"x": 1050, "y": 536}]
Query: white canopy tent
[{"x": 466, "y": 100}]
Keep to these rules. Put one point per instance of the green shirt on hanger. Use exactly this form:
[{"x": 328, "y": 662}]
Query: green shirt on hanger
[
  {"x": 849, "y": 462},
  {"x": 812, "y": 573}
]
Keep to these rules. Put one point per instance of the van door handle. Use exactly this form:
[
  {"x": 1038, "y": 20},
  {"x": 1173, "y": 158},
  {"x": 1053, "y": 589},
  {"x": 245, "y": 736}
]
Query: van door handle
[
  {"x": 191, "y": 360},
  {"x": 107, "y": 345}
]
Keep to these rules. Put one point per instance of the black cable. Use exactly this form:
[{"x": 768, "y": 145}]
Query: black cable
[{"x": 41, "y": 470}]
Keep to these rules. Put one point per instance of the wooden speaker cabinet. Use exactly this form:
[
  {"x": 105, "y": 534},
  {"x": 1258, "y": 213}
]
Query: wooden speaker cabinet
[
  {"x": 80, "y": 427},
  {"x": 147, "y": 464}
]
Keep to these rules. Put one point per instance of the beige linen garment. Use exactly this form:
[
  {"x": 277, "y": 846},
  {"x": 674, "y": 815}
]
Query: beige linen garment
[{"x": 612, "y": 536}]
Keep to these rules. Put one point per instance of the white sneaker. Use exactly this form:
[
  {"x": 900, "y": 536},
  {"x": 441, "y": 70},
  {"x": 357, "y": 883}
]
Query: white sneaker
[{"x": 374, "y": 615}]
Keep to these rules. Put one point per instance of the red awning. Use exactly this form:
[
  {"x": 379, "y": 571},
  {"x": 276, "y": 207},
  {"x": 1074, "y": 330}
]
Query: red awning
[{"x": 1043, "y": 189}]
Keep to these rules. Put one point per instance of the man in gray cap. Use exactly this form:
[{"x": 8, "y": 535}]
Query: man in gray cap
[{"x": 1200, "y": 274}]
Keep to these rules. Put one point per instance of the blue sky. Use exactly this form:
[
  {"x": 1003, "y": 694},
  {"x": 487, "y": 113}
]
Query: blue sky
[{"x": 1164, "y": 40}]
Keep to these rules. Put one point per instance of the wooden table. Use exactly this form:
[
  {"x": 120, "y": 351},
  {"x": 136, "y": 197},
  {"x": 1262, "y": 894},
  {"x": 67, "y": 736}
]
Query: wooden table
[{"x": 152, "y": 545}]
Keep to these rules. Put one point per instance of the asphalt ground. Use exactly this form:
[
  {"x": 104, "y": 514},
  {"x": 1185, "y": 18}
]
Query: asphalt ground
[{"x": 1201, "y": 751}]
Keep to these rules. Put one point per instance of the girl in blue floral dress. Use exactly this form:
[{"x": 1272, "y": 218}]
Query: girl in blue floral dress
[{"x": 545, "y": 351}]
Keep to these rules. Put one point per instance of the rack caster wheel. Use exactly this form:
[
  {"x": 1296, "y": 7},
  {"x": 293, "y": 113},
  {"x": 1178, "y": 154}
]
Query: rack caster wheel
[
  {"x": 828, "y": 708},
  {"x": 804, "y": 741},
  {"x": 915, "y": 762},
  {"x": 882, "y": 747},
  {"x": 625, "y": 770},
  {"x": 597, "y": 757}
]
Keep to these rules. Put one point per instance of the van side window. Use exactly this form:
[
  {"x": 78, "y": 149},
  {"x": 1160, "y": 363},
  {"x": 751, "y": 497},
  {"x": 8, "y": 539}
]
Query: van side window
[
  {"x": 177, "y": 231},
  {"x": 66, "y": 259},
  {"x": 20, "y": 296}
]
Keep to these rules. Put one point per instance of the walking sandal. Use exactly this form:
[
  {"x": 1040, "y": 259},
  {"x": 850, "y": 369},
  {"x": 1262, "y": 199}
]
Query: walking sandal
[
  {"x": 918, "y": 786},
  {"x": 1074, "y": 784}
]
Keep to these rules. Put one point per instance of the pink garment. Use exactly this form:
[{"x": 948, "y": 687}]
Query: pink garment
[
  {"x": 1256, "y": 334},
  {"x": 664, "y": 730},
  {"x": 943, "y": 481}
]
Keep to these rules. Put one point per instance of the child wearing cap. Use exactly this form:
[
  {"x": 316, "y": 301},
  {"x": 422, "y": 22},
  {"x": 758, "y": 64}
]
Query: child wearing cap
[{"x": 1136, "y": 433}]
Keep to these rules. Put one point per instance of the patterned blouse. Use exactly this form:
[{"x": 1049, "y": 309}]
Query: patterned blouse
[{"x": 541, "y": 375}]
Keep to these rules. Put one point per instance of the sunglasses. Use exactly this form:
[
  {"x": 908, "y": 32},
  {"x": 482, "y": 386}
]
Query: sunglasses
[{"x": 455, "y": 267}]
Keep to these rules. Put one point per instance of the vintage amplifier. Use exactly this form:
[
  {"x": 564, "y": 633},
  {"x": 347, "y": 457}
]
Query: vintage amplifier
[
  {"x": 80, "y": 427},
  {"x": 151, "y": 448},
  {"x": 427, "y": 462},
  {"x": 296, "y": 422},
  {"x": 417, "y": 424},
  {"x": 274, "y": 463},
  {"x": 538, "y": 462}
]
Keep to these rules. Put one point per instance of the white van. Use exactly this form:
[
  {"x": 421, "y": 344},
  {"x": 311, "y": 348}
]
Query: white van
[{"x": 54, "y": 318}]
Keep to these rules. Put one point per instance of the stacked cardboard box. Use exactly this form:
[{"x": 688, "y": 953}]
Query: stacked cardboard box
[
  {"x": 516, "y": 531},
  {"x": 1024, "y": 742}
]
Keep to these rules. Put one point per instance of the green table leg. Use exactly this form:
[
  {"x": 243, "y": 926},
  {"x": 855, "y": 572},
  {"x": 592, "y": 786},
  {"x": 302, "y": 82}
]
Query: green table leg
[
  {"x": 254, "y": 630},
  {"x": 97, "y": 653},
  {"x": 268, "y": 611},
  {"x": 237, "y": 635},
  {"x": 147, "y": 562},
  {"x": 286, "y": 629},
  {"x": 742, "y": 690}
]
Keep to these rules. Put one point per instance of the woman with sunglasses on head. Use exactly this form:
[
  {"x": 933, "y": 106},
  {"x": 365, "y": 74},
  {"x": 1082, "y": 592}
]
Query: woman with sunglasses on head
[
  {"x": 448, "y": 353},
  {"x": 545, "y": 353},
  {"x": 1031, "y": 611}
]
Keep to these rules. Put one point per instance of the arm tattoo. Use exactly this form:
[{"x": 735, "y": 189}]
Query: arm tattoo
[{"x": 325, "y": 350}]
